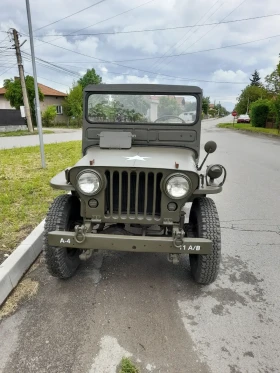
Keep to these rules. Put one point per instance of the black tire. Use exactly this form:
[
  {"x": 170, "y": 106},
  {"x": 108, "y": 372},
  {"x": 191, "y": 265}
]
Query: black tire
[
  {"x": 204, "y": 223},
  {"x": 63, "y": 215}
]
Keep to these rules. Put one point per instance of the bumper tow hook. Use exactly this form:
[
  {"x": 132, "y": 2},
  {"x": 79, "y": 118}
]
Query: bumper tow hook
[{"x": 80, "y": 232}]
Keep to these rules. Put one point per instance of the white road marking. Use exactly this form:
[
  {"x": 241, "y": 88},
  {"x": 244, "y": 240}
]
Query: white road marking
[{"x": 109, "y": 356}]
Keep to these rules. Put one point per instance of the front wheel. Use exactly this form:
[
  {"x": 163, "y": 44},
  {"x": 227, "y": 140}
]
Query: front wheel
[
  {"x": 204, "y": 223},
  {"x": 63, "y": 215}
]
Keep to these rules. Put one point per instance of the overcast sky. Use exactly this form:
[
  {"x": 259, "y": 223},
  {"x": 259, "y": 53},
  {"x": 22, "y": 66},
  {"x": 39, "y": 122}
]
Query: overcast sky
[{"x": 205, "y": 69}]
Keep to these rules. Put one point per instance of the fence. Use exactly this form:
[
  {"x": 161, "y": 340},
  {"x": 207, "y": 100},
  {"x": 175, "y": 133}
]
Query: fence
[{"x": 11, "y": 118}]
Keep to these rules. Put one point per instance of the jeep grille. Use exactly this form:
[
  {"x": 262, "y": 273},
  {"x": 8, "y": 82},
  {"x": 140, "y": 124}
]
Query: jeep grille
[{"x": 136, "y": 194}]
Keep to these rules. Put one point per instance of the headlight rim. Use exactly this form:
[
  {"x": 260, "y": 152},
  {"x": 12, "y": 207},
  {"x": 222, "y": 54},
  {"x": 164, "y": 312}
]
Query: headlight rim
[
  {"x": 178, "y": 175},
  {"x": 101, "y": 183}
]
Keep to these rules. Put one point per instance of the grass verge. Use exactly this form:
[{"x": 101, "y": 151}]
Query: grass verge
[
  {"x": 249, "y": 128},
  {"x": 22, "y": 133},
  {"x": 128, "y": 367},
  {"x": 25, "y": 190}
]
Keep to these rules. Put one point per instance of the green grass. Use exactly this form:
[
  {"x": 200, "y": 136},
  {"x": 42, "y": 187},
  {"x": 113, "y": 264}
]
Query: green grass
[
  {"x": 22, "y": 133},
  {"x": 249, "y": 128},
  {"x": 128, "y": 367},
  {"x": 25, "y": 190}
]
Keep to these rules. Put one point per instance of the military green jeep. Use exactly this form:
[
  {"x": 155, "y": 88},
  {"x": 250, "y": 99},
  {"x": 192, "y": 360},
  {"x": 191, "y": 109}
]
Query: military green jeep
[{"x": 139, "y": 168}]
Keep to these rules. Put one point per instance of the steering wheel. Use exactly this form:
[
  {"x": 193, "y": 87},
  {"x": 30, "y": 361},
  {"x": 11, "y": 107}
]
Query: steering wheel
[{"x": 169, "y": 116}]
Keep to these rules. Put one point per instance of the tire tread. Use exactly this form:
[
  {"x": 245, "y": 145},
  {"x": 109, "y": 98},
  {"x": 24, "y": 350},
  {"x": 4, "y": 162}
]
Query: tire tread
[
  {"x": 207, "y": 268},
  {"x": 56, "y": 260}
]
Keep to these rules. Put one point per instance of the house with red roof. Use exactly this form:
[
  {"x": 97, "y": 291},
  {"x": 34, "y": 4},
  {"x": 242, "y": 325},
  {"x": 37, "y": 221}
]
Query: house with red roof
[{"x": 51, "y": 97}]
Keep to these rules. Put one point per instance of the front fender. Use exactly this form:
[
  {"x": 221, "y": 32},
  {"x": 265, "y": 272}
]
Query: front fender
[{"x": 59, "y": 182}]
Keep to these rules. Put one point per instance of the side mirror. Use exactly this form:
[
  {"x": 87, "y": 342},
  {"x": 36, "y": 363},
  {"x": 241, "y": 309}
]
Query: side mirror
[{"x": 210, "y": 147}]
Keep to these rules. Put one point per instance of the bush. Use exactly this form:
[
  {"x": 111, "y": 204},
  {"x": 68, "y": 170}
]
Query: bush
[
  {"x": 260, "y": 110},
  {"x": 276, "y": 110},
  {"x": 75, "y": 122},
  {"x": 48, "y": 116}
]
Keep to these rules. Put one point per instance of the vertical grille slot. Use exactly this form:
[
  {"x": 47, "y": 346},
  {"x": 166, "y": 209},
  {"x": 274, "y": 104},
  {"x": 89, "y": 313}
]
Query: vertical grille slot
[{"x": 134, "y": 194}]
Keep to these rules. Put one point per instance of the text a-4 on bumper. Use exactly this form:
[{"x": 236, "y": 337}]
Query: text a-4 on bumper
[{"x": 93, "y": 241}]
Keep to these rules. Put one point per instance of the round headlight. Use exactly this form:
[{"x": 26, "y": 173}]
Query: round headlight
[
  {"x": 89, "y": 182},
  {"x": 177, "y": 186}
]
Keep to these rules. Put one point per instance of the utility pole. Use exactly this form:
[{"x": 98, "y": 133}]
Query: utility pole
[
  {"x": 38, "y": 109},
  {"x": 22, "y": 80},
  {"x": 247, "y": 106}
]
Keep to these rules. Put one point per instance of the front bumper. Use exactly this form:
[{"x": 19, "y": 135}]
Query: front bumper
[{"x": 93, "y": 241}]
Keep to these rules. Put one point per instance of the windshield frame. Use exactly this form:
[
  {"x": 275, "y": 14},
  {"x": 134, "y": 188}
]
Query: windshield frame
[{"x": 155, "y": 92}]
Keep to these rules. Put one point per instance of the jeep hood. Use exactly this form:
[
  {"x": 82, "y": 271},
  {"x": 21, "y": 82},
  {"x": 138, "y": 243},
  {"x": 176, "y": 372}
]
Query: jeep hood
[{"x": 141, "y": 157}]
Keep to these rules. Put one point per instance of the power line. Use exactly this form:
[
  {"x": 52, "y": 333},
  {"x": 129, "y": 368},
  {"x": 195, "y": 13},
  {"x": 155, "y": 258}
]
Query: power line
[
  {"x": 8, "y": 69},
  {"x": 73, "y": 14},
  {"x": 199, "y": 51},
  {"x": 137, "y": 69},
  {"x": 65, "y": 85},
  {"x": 104, "y": 20},
  {"x": 117, "y": 15},
  {"x": 51, "y": 66},
  {"x": 207, "y": 33},
  {"x": 2, "y": 41},
  {"x": 162, "y": 29},
  {"x": 186, "y": 36},
  {"x": 178, "y": 55}
]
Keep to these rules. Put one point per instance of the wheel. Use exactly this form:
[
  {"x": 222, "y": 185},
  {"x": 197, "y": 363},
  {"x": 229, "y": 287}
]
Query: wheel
[
  {"x": 63, "y": 215},
  {"x": 204, "y": 223}
]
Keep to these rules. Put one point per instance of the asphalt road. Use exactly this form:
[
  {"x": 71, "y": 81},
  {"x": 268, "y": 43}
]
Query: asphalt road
[
  {"x": 32, "y": 140},
  {"x": 140, "y": 305}
]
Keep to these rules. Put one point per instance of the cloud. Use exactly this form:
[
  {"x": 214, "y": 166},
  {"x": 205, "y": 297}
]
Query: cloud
[
  {"x": 230, "y": 76},
  {"x": 131, "y": 79},
  {"x": 229, "y": 64}
]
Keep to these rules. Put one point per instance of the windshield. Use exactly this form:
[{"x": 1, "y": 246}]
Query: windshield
[{"x": 135, "y": 108}]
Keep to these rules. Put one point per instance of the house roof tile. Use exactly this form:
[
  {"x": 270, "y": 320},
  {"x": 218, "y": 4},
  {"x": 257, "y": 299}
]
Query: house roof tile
[{"x": 47, "y": 91}]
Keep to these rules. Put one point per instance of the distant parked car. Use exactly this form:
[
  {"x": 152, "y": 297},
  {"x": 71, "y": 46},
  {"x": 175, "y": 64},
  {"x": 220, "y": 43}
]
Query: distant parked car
[{"x": 243, "y": 119}]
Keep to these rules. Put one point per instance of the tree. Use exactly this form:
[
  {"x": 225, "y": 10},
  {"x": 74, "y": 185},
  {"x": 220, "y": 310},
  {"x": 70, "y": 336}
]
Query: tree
[
  {"x": 134, "y": 102},
  {"x": 205, "y": 104},
  {"x": 14, "y": 93},
  {"x": 48, "y": 116},
  {"x": 115, "y": 112},
  {"x": 168, "y": 106},
  {"x": 90, "y": 77},
  {"x": 220, "y": 109},
  {"x": 73, "y": 106},
  {"x": 255, "y": 79},
  {"x": 249, "y": 94},
  {"x": 273, "y": 81},
  {"x": 212, "y": 112}
]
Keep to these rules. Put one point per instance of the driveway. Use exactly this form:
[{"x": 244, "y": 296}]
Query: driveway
[{"x": 140, "y": 305}]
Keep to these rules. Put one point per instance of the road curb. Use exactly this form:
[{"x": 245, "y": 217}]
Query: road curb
[
  {"x": 261, "y": 134},
  {"x": 15, "y": 266}
]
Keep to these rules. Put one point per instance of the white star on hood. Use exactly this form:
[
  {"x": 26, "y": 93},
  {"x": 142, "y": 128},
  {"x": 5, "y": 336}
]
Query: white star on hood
[{"x": 136, "y": 158}]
